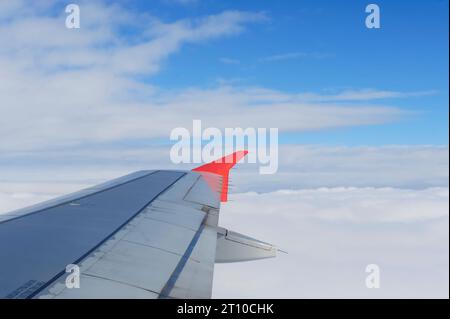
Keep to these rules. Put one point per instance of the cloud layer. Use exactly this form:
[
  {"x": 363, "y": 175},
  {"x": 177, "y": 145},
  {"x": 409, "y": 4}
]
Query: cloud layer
[
  {"x": 412, "y": 167},
  {"x": 331, "y": 235},
  {"x": 65, "y": 87}
]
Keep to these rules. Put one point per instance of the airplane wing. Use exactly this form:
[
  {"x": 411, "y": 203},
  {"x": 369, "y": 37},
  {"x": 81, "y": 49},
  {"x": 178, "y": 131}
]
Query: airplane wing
[{"x": 150, "y": 234}]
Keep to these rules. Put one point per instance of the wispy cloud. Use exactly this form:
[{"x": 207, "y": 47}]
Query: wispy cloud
[
  {"x": 182, "y": 2},
  {"x": 92, "y": 107},
  {"x": 229, "y": 61},
  {"x": 101, "y": 46},
  {"x": 294, "y": 55},
  {"x": 362, "y": 95}
]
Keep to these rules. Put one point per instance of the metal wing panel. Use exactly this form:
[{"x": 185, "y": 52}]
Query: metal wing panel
[
  {"x": 164, "y": 236},
  {"x": 177, "y": 214},
  {"x": 206, "y": 191},
  {"x": 195, "y": 278},
  {"x": 71, "y": 197},
  {"x": 165, "y": 251},
  {"x": 94, "y": 287},
  {"x": 135, "y": 265},
  {"x": 35, "y": 248}
]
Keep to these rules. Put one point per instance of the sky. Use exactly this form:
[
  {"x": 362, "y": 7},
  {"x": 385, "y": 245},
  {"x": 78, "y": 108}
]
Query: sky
[
  {"x": 324, "y": 47},
  {"x": 362, "y": 117}
]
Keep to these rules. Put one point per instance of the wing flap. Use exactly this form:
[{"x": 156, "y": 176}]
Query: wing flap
[
  {"x": 235, "y": 247},
  {"x": 194, "y": 278}
]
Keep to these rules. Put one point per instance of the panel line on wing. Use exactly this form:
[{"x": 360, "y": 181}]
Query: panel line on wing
[
  {"x": 118, "y": 281},
  {"x": 72, "y": 200},
  {"x": 170, "y": 223},
  {"x": 158, "y": 248},
  {"x": 165, "y": 292}
]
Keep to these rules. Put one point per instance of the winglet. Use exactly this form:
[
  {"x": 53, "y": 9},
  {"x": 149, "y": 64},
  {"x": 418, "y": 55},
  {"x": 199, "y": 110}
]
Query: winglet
[{"x": 222, "y": 167}]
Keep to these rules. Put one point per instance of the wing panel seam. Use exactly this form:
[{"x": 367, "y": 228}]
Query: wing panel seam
[{"x": 78, "y": 198}]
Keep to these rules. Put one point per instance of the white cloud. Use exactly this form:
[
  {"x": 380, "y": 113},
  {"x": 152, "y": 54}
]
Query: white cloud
[
  {"x": 294, "y": 55},
  {"x": 42, "y": 43},
  {"x": 331, "y": 235},
  {"x": 361, "y": 95},
  {"x": 349, "y": 204},
  {"x": 72, "y": 112},
  {"x": 14, "y": 195},
  {"x": 182, "y": 2},
  {"x": 299, "y": 167},
  {"x": 229, "y": 61},
  {"x": 168, "y": 37},
  {"x": 69, "y": 87},
  {"x": 318, "y": 166}
]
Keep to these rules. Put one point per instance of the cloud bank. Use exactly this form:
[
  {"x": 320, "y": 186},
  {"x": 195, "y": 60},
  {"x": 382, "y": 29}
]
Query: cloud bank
[
  {"x": 332, "y": 234},
  {"x": 300, "y": 166}
]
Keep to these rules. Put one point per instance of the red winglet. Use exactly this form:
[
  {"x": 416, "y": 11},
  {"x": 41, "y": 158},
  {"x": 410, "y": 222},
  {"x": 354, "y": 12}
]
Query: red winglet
[{"x": 222, "y": 167}]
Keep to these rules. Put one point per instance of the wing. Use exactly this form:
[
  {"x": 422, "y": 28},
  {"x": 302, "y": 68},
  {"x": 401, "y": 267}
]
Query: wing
[{"x": 150, "y": 234}]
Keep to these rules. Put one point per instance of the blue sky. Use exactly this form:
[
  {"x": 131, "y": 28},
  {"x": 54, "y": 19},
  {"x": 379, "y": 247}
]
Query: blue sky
[
  {"x": 323, "y": 46},
  {"x": 167, "y": 62}
]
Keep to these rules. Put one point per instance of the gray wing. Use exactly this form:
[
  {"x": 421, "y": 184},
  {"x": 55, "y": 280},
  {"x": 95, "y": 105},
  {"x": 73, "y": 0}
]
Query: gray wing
[{"x": 150, "y": 234}]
